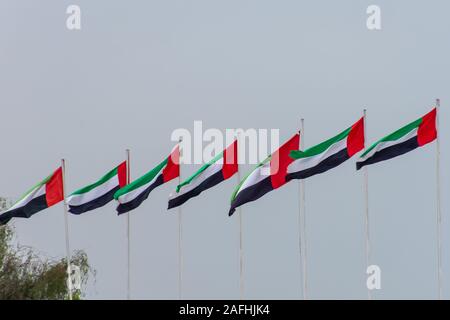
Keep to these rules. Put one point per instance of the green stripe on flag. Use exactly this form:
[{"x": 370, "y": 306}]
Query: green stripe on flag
[
  {"x": 203, "y": 168},
  {"x": 395, "y": 135},
  {"x": 319, "y": 148},
  {"x": 39, "y": 184},
  {"x": 235, "y": 192},
  {"x": 102, "y": 180},
  {"x": 146, "y": 178}
]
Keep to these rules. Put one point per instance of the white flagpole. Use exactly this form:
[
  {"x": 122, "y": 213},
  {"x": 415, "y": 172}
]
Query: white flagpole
[
  {"x": 241, "y": 246},
  {"x": 302, "y": 219},
  {"x": 180, "y": 252},
  {"x": 241, "y": 240},
  {"x": 127, "y": 152},
  {"x": 180, "y": 238},
  {"x": 438, "y": 200},
  {"x": 66, "y": 223},
  {"x": 366, "y": 207}
]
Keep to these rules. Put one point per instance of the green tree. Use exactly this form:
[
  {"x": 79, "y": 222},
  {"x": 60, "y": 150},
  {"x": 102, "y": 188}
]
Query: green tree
[{"x": 25, "y": 275}]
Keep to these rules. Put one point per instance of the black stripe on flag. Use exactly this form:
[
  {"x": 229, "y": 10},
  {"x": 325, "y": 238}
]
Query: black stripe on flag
[
  {"x": 209, "y": 182},
  {"x": 390, "y": 152},
  {"x": 325, "y": 165},
  {"x": 35, "y": 205},
  {"x": 136, "y": 202},
  {"x": 251, "y": 193},
  {"x": 95, "y": 203}
]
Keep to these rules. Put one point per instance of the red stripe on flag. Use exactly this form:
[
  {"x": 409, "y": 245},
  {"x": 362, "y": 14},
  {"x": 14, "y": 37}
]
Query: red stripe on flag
[
  {"x": 172, "y": 169},
  {"x": 54, "y": 188},
  {"x": 122, "y": 174},
  {"x": 427, "y": 129},
  {"x": 230, "y": 160},
  {"x": 355, "y": 138},
  {"x": 281, "y": 160}
]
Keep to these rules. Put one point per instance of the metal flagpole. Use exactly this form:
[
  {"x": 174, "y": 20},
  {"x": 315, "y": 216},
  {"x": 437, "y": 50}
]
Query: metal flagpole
[
  {"x": 66, "y": 223},
  {"x": 366, "y": 205},
  {"x": 127, "y": 151},
  {"x": 438, "y": 200},
  {"x": 180, "y": 237},
  {"x": 241, "y": 247},
  {"x": 241, "y": 241},
  {"x": 302, "y": 219}
]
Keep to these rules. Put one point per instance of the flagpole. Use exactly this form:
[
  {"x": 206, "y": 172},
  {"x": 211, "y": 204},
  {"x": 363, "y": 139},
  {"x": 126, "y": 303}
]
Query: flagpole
[
  {"x": 66, "y": 224},
  {"x": 366, "y": 207},
  {"x": 302, "y": 219},
  {"x": 241, "y": 246},
  {"x": 180, "y": 253},
  {"x": 127, "y": 152},
  {"x": 438, "y": 200},
  {"x": 180, "y": 237}
]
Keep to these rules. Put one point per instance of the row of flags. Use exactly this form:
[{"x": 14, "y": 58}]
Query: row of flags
[
  {"x": 285, "y": 164},
  {"x": 288, "y": 163}
]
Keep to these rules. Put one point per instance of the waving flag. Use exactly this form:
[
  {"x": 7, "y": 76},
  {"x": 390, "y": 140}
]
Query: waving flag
[
  {"x": 132, "y": 195},
  {"x": 98, "y": 194},
  {"x": 267, "y": 176},
  {"x": 416, "y": 134},
  {"x": 328, "y": 154},
  {"x": 42, "y": 196},
  {"x": 222, "y": 167}
]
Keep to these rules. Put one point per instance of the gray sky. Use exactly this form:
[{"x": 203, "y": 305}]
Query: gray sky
[{"x": 140, "y": 69}]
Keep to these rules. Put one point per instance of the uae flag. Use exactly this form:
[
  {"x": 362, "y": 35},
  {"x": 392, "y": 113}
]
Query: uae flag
[
  {"x": 133, "y": 194},
  {"x": 328, "y": 154},
  {"x": 43, "y": 195},
  {"x": 222, "y": 167},
  {"x": 267, "y": 176},
  {"x": 98, "y": 194},
  {"x": 414, "y": 135}
]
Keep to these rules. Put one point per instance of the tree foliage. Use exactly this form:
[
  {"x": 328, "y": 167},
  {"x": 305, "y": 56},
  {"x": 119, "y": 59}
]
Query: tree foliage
[{"x": 26, "y": 275}]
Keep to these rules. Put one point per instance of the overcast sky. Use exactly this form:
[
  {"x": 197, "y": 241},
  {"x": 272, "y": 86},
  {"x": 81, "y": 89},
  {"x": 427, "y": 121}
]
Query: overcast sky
[{"x": 137, "y": 70}]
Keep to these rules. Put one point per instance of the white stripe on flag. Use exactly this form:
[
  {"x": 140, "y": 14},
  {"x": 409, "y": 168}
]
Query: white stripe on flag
[
  {"x": 208, "y": 172},
  {"x": 37, "y": 192},
  {"x": 310, "y": 162},
  {"x": 386, "y": 144},
  {"x": 97, "y": 192},
  {"x": 256, "y": 176},
  {"x": 130, "y": 196}
]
